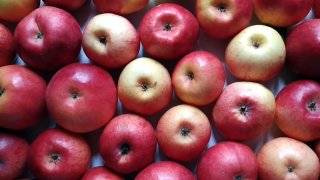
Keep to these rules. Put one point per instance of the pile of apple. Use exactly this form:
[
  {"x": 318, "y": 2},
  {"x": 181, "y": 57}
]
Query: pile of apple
[{"x": 150, "y": 91}]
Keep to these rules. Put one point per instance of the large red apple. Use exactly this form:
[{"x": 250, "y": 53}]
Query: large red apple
[
  {"x": 228, "y": 160},
  {"x": 128, "y": 143},
  {"x": 168, "y": 31},
  {"x": 198, "y": 78},
  {"x": 22, "y": 97},
  {"x": 48, "y": 38},
  {"x": 100, "y": 173},
  {"x": 286, "y": 158},
  {"x": 316, "y": 8},
  {"x": 15, "y": 10},
  {"x": 298, "y": 110},
  {"x": 81, "y": 97},
  {"x": 224, "y": 19},
  {"x": 121, "y": 7},
  {"x": 7, "y": 48},
  {"x": 68, "y": 5}
]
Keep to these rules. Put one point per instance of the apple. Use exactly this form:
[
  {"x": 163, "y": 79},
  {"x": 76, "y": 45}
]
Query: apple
[
  {"x": 165, "y": 170},
  {"x": 183, "y": 132},
  {"x": 121, "y": 7},
  {"x": 228, "y": 160},
  {"x": 297, "y": 110},
  {"x": 303, "y": 49},
  {"x": 68, "y": 5},
  {"x": 257, "y": 53},
  {"x": 22, "y": 97},
  {"x": 81, "y": 97},
  {"x": 128, "y": 143},
  {"x": 282, "y": 13},
  {"x": 15, "y": 10},
  {"x": 168, "y": 31},
  {"x": 244, "y": 111},
  {"x": 316, "y": 8},
  {"x": 198, "y": 78},
  {"x": 223, "y": 19},
  {"x": 58, "y": 154},
  {"x": 287, "y": 158},
  {"x": 48, "y": 38},
  {"x": 7, "y": 47},
  {"x": 13, "y": 155},
  {"x": 100, "y": 173},
  {"x": 106, "y": 36},
  {"x": 144, "y": 86}
]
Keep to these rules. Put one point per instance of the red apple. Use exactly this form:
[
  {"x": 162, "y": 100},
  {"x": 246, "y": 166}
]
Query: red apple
[
  {"x": 7, "y": 48},
  {"x": 168, "y": 31},
  {"x": 316, "y": 8},
  {"x": 13, "y": 155},
  {"x": 100, "y": 173},
  {"x": 128, "y": 143},
  {"x": 297, "y": 110},
  {"x": 68, "y": 5},
  {"x": 282, "y": 13},
  {"x": 228, "y": 160},
  {"x": 15, "y": 10},
  {"x": 106, "y": 36},
  {"x": 81, "y": 97},
  {"x": 48, "y": 38},
  {"x": 223, "y": 19},
  {"x": 183, "y": 132},
  {"x": 165, "y": 170},
  {"x": 286, "y": 158},
  {"x": 22, "y": 97},
  {"x": 121, "y": 7},
  {"x": 244, "y": 111},
  {"x": 58, "y": 154},
  {"x": 198, "y": 78}
]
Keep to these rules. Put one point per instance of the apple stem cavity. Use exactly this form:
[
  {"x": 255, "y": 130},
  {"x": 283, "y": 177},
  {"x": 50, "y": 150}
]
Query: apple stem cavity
[
  {"x": 144, "y": 87},
  {"x": 167, "y": 27},
  {"x": 1, "y": 91},
  {"x": 222, "y": 8},
  {"x": 184, "y": 131},
  {"x": 103, "y": 40},
  {"x": 290, "y": 169},
  {"x": 255, "y": 44},
  {"x": 74, "y": 95},
  {"x": 54, "y": 158},
  {"x": 125, "y": 149},
  {"x": 238, "y": 177},
  {"x": 243, "y": 110},
  {"x": 40, "y": 35},
  {"x": 190, "y": 75},
  {"x": 312, "y": 106}
]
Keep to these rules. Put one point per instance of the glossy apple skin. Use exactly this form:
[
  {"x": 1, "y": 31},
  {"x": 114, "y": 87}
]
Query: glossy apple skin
[
  {"x": 143, "y": 83},
  {"x": 7, "y": 47},
  {"x": 244, "y": 111},
  {"x": 69, "y": 5},
  {"x": 297, "y": 110},
  {"x": 48, "y": 38},
  {"x": 128, "y": 143},
  {"x": 119, "y": 34},
  {"x": 168, "y": 31},
  {"x": 230, "y": 160},
  {"x": 58, "y": 154},
  {"x": 100, "y": 173},
  {"x": 13, "y": 155},
  {"x": 303, "y": 45},
  {"x": 286, "y": 158},
  {"x": 282, "y": 13},
  {"x": 183, "y": 132},
  {"x": 316, "y": 8},
  {"x": 22, "y": 98},
  {"x": 165, "y": 170},
  {"x": 15, "y": 10},
  {"x": 223, "y": 19},
  {"x": 81, "y": 97},
  {"x": 121, "y": 7},
  {"x": 198, "y": 78}
]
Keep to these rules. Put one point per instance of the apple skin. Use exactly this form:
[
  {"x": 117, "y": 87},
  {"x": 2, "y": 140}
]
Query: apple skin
[
  {"x": 286, "y": 158},
  {"x": 183, "y": 132},
  {"x": 69, "y": 5},
  {"x": 100, "y": 173},
  {"x": 121, "y": 7},
  {"x": 58, "y": 154},
  {"x": 165, "y": 170},
  {"x": 316, "y": 8},
  {"x": 244, "y": 111},
  {"x": 303, "y": 45},
  {"x": 13, "y": 155},
  {"x": 257, "y": 53},
  {"x": 223, "y": 19},
  {"x": 128, "y": 143},
  {"x": 282, "y": 13},
  {"x": 7, "y": 47},
  {"x": 297, "y": 110},
  {"x": 81, "y": 97},
  {"x": 198, "y": 78},
  {"x": 22, "y": 97},
  {"x": 168, "y": 31},
  {"x": 230, "y": 160},
  {"x": 143, "y": 83},
  {"x": 48, "y": 38},
  {"x": 15, "y": 10},
  {"x": 106, "y": 36}
]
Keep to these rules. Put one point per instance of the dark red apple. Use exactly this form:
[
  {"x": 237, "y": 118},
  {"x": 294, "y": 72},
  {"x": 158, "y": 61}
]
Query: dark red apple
[
  {"x": 316, "y": 8},
  {"x": 68, "y": 5},
  {"x": 7, "y": 49},
  {"x": 100, "y": 173}
]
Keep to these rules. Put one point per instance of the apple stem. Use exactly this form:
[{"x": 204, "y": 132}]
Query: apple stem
[
  {"x": 1, "y": 91},
  {"x": 125, "y": 149},
  {"x": 167, "y": 27},
  {"x": 312, "y": 106}
]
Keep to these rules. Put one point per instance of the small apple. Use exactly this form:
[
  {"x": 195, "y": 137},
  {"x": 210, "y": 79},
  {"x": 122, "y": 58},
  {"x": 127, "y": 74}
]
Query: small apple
[
  {"x": 316, "y": 8},
  {"x": 100, "y": 173},
  {"x": 15, "y": 10},
  {"x": 121, "y": 7},
  {"x": 69, "y": 5},
  {"x": 128, "y": 143},
  {"x": 144, "y": 86},
  {"x": 168, "y": 31},
  {"x": 7, "y": 48},
  {"x": 106, "y": 36},
  {"x": 257, "y": 53}
]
